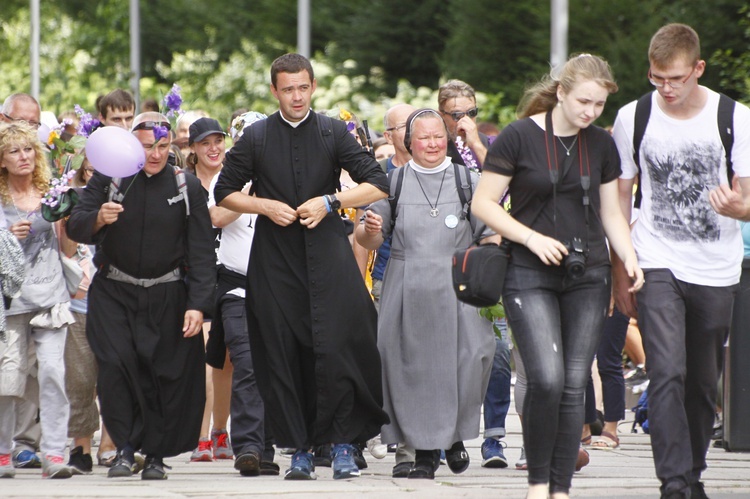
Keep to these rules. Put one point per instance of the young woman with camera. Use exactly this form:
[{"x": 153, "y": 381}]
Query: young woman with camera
[{"x": 562, "y": 175}]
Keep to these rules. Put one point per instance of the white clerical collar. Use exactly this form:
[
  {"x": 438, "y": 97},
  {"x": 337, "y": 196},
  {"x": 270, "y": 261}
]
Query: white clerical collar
[
  {"x": 294, "y": 124},
  {"x": 429, "y": 171}
]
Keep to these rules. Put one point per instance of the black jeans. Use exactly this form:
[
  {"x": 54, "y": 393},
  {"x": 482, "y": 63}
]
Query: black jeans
[
  {"x": 684, "y": 328},
  {"x": 556, "y": 322},
  {"x": 609, "y": 365}
]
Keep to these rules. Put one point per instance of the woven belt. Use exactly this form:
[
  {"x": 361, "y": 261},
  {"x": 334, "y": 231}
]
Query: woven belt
[{"x": 118, "y": 275}]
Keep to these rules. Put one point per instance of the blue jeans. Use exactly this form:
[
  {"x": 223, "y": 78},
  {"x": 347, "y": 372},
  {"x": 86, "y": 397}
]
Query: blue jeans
[
  {"x": 684, "y": 328},
  {"x": 556, "y": 323},
  {"x": 497, "y": 398}
]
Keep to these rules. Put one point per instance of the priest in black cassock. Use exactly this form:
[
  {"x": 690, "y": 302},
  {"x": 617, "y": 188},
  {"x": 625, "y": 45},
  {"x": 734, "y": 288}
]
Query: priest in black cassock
[
  {"x": 311, "y": 320},
  {"x": 155, "y": 279}
]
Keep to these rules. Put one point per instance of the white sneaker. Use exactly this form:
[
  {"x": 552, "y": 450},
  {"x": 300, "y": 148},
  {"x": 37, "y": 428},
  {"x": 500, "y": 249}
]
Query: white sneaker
[
  {"x": 55, "y": 467},
  {"x": 377, "y": 449}
]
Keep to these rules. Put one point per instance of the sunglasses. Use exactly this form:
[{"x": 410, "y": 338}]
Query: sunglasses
[
  {"x": 457, "y": 115},
  {"x": 149, "y": 125},
  {"x": 33, "y": 123}
]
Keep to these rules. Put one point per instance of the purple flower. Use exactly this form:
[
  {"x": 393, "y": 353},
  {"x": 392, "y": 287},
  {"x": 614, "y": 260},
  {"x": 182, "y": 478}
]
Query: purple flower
[
  {"x": 173, "y": 101},
  {"x": 87, "y": 123},
  {"x": 350, "y": 126},
  {"x": 160, "y": 132}
]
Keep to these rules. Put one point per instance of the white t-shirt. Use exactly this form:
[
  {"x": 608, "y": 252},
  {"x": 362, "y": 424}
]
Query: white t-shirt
[
  {"x": 236, "y": 238},
  {"x": 682, "y": 161}
]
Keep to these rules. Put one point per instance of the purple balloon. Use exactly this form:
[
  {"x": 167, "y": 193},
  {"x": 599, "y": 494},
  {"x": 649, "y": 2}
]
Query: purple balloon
[
  {"x": 115, "y": 152},
  {"x": 43, "y": 133}
]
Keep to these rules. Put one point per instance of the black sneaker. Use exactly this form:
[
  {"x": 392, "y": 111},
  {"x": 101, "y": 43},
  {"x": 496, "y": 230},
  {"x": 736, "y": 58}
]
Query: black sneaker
[
  {"x": 123, "y": 467},
  {"x": 359, "y": 458},
  {"x": 80, "y": 463},
  {"x": 322, "y": 456},
  {"x": 697, "y": 491},
  {"x": 154, "y": 469}
]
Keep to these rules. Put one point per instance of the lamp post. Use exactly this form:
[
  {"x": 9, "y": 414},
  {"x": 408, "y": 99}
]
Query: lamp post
[{"x": 559, "y": 32}]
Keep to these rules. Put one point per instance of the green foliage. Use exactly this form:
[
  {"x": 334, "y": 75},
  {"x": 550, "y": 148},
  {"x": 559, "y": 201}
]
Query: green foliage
[{"x": 492, "y": 314}]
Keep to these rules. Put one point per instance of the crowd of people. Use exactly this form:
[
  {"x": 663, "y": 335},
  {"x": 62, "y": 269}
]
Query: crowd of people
[{"x": 223, "y": 308}]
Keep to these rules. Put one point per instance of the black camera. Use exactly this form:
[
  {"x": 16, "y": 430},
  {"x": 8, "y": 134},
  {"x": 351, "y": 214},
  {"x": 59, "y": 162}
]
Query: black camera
[{"x": 575, "y": 261}]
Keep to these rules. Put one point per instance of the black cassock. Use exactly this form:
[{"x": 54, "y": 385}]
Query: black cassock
[
  {"x": 151, "y": 382},
  {"x": 312, "y": 322}
]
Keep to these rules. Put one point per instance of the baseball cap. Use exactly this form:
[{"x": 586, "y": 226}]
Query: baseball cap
[{"x": 202, "y": 128}]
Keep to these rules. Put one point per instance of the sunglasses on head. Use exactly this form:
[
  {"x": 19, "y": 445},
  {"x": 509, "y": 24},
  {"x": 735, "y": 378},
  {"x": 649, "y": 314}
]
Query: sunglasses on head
[
  {"x": 149, "y": 125},
  {"x": 457, "y": 115}
]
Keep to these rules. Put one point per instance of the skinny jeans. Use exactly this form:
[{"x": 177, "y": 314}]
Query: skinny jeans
[{"x": 557, "y": 323}]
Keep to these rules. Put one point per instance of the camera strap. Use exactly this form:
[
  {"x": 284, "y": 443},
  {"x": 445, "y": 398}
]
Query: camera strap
[{"x": 554, "y": 174}]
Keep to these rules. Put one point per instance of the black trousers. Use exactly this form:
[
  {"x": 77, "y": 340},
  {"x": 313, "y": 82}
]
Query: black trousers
[
  {"x": 247, "y": 409},
  {"x": 684, "y": 328}
]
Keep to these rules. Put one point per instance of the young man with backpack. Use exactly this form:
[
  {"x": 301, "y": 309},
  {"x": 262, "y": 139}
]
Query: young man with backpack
[{"x": 689, "y": 245}]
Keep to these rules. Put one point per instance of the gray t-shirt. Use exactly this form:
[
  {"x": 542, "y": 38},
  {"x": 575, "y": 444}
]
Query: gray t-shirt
[{"x": 44, "y": 285}]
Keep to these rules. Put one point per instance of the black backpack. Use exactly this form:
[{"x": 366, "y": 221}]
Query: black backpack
[{"x": 724, "y": 119}]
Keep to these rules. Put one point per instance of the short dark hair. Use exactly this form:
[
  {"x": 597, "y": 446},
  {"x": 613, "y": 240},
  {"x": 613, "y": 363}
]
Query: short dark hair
[
  {"x": 116, "y": 99},
  {"x": 291, "y": 63}
]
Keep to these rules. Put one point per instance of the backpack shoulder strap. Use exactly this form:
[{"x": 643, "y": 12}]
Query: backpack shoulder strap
[
  {"x": 396, "y": 182},
  {"x": 181, "y": 181},
  {"x": 258, "y": 132},
  {"x": 464, "y": 188},
  {"x": 642, "y": 115},
  {"x": 725, "y": 120},
  {"x": 325, "y": 127},
  {"x": 114, "y": 194}
]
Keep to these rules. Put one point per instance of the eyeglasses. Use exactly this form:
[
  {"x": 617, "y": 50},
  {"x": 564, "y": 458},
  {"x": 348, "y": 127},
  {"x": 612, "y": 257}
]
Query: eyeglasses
[
  {"x": 396, "y": 128},
  {"x": 89, "y": 171},
  {"x": 457, "y": 115},
  {"x": 33, "y": 123},
  {"x": 149, "y": 125},
  {"x": 659, "y": 82}
]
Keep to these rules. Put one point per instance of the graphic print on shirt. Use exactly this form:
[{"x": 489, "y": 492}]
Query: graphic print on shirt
[{"x": 681, "y": 179}]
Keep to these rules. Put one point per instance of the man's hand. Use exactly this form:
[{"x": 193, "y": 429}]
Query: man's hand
[
  {"x": 109, "y": 213},
  {"x": 467, "y": 129},
  {"x": 373, "y": 223},
  {"x": 193, "y": 323},
  {"x": 279, "y": 213},
  {"x": 729, "y": 202},
  {"x": 312, "y": 211}
]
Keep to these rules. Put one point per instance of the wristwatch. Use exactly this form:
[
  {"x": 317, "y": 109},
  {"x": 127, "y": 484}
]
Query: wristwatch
[{"x": 335, "y": 203}]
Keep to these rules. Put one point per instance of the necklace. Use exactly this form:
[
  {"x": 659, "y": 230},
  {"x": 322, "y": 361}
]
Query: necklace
[
  {"x": 29, "y": 212},
  {"x": 568, "y": 149},
  {"x": 434, "y": 212}
]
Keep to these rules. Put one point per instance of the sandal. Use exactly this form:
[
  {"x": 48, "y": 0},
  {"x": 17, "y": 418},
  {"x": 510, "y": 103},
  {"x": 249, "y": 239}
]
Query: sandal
[
  {"x": 606, "y": 441},
  {"x": 586, "y": 441},
  {"x": 458, "y": 458}
]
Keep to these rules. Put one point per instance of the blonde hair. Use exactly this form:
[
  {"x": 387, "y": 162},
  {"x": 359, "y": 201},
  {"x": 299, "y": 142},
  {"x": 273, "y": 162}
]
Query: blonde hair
[
  {"x": 673, "y": 41},
  {"x": 542, "y": 97},
  {"x": 20, "y": 134}
]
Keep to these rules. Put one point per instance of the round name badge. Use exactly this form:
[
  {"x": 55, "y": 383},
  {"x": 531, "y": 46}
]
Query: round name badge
[{"x": 451, "y": 221}]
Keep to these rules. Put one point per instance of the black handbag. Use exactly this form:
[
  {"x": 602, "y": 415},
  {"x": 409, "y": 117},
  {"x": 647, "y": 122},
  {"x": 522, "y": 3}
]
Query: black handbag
[{"x": 479, "y": 273}]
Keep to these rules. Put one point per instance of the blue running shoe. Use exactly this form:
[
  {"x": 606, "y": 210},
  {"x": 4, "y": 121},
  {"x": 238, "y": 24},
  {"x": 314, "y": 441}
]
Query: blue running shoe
[
  {"x": 27, "y": 459},
  {"x": 343, "y": 462},
  {"x": 492, "y": 454},
  {"x": 303, "y": 466}
]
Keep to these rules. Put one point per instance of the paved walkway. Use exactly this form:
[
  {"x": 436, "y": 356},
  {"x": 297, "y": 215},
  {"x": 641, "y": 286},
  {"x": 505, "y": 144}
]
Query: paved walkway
[{"x": 623, "y": 473}]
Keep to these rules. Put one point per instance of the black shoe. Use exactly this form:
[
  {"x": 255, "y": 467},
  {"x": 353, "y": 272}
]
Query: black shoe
[
  {"x": 269, "y": 468},
  {"x": 424, "y": 467},
  {"x": 401, "y": 470},
  {"x": 154, "y": 469},
  {"x": 248, "y": 463},
  {"x": 457, "y": 458},
  {"x": 122, "y": 467},
  {"x": 80, "y": 463},
  {"x": 359, "y": 458},
  {"x": 322, "y": 455},
  {"x": 697, "y": 491}
]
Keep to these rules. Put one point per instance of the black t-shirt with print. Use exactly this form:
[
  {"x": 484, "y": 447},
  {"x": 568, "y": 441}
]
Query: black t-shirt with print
[{"x": 520, "y": 151}]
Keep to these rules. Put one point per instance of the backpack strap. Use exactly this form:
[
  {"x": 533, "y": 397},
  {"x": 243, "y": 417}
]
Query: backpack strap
[
  {"x": 114, "y": 193},
  {"x": 179, "y": 176},
  {"x": 325, "y": 128},
  {"x": 464, "y": 188},
  {"x": 642, "y": 114},
  {"x": 258, "y": 132},
  {"x": 725, "y": 119},
  {"x": 396, "y": 182}
]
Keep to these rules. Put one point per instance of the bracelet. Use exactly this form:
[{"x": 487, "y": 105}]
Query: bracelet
[
  {"x": 327, "y": 202},
  {"x": 526, "y": 242}
]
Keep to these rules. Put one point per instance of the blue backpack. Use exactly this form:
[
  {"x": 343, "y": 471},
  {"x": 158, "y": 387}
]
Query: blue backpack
[{"x": 641, "y": 413}]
